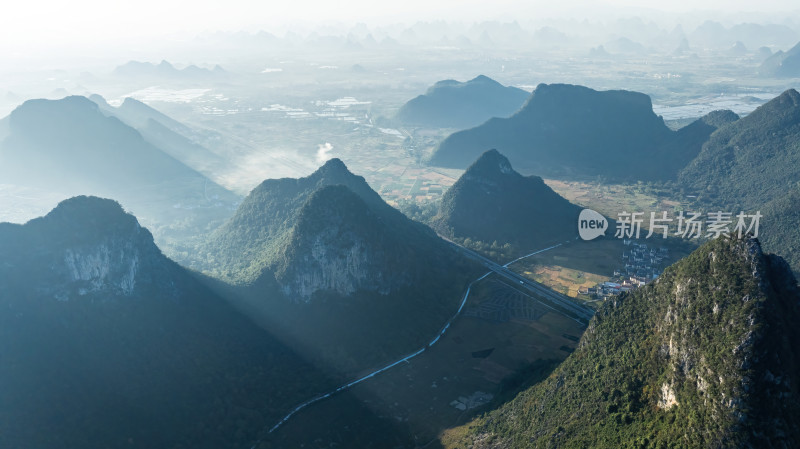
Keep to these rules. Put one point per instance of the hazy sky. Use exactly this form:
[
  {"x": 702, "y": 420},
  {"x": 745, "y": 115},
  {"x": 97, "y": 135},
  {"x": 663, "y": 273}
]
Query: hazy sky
[{"x": 26, "y": 23}]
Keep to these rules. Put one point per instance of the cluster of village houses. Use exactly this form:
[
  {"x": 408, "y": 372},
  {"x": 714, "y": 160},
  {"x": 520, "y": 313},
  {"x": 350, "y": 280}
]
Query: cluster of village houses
[{"x": 641, "y": 266}]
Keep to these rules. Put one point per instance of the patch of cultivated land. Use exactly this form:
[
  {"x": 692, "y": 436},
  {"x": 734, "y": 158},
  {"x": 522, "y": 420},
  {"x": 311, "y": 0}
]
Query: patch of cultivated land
[
  {"x": 611, "y": 199},
  {"x": 587, "y": 263},
  {"x": 564, "y": 280},
  {"x": 401, "y": 180},
  {"x": 599, "y": 257},
  {"x": 502, "y": 340}
]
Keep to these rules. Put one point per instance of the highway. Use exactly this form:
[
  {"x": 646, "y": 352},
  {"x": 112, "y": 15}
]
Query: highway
[{"x": 562, "y": 302}]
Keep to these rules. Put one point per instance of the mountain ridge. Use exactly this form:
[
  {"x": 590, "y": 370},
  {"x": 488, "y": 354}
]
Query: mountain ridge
[
  {"x": 568, "y": 130},
  {"x": 765, "y": 141},
  {"x": 78, "y": 150},
  {"x": 703, "y": 356},
  {"x": 491, "y": 202},
  {"x": 454, "y": 104},
  {"x": 108, "y": 343},
  {"x": 782, "y": 64},
  {"x": 335, "y": 269}
]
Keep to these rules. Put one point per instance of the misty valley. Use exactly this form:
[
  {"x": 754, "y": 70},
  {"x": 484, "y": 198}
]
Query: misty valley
[{"x": 565, "y": 229}]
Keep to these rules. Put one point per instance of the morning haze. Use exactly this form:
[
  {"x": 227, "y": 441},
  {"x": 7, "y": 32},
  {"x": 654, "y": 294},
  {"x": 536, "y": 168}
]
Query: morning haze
[{"x": 317, "y": 224}]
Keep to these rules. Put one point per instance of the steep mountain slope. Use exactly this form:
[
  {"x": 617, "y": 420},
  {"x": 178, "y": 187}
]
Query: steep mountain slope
[
  {"x": 75, "y": 149},
  {"x": 107, "y": 343},
  {"x": 492, "y": 202},
  {"x": 782, "y": 64},
  {"x": 249, "y": 242},
  {"x": 687, "y": 142},
  {"x": 712, "y": 34},
  {"x": 453, "y": 104},
  {"x": 165, "y": 133},
  {"x": 72, "y": 136},
  {"x": 751, "y": 161},
  {"x": 780, "y": 229},
  {"x": 358, "y": 281},
  {"x": 3, "y": 128},
  {"x": 566, "y": 129},
  {"x": 136, "y": 114},
  {"x": 704, "y": 357}
]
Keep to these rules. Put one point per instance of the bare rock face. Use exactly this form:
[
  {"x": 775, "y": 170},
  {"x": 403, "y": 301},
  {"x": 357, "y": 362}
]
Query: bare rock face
[
  {"x": 328, "y": 232},
  {"x": 91, "y": 248},
  {"x": 707, "y": 355},
  {"x": 325, "y": 262},
  {"x": 339, "y": 245},
  {"x": 98, "y": 329},
  {"x": 105, "y": 267}
]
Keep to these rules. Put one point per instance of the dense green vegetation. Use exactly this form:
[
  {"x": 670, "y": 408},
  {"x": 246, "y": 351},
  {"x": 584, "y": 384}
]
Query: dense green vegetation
[
  {"x": 686, "y": 145},
  {"x": 566, "y": 130},
  {"x": 343, "y": 276},
  {"x": 752, "y": 161},
  {"x": 88, "y": 363},
  {"x": 493, "y": 203},
  {"x": 421, "y": 212},
  {"x": 752, "y": 165},
  {"x": 780, "y": 230},
  {"x": 494, "y": 251},
  {"x": 242, "y": 248},
  {"x": 704, "y": 357},
  {"x": 451, "y": 104}
]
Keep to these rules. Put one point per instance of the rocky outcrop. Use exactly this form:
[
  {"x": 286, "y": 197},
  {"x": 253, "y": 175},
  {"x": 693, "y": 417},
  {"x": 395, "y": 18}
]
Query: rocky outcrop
[
  {"x": 91, "y": 248},
  {"x": 338, "y": 245},
  {"x": 706, "y": 355}
]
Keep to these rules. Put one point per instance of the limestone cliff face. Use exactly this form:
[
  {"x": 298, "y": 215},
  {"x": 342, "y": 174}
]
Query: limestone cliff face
[
  {"x": 719, "y": 336},
  {"x": 343, "y": 270},
  {"x": 706, "y": 356},
  {"x": 338, "y": 245},
  {"x": 328, "y": 232},
  {"x": 90, "y": 246},
  {"x": 325, "y": 262},
  {"x": 716, "y": 335},
  {"x": 108, "y": 266}
]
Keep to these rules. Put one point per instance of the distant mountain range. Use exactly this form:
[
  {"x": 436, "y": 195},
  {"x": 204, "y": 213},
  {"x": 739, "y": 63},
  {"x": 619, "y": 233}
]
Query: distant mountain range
[
  {"x": 782, "y": 64},
  {"x": 453, "y": 104},
  {"x": 625, "y": 46},
  {"x": 107, "y": 343},
  {"x": 441, "y": 35},
  {"x": 71, "y": 147},
  {"x": 165, "y": 70},
  {"x": 492, "y": 202},
  {"x": 341, "y": 272},
  {"x": 714, "y": 35},
  {"x": 566, "y": 130},
  {"x": 705, "y": 356}
]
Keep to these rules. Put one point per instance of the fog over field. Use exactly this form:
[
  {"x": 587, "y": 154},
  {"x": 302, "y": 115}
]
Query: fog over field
[{"x": 264, "y": 87}]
